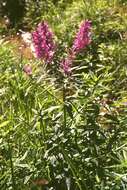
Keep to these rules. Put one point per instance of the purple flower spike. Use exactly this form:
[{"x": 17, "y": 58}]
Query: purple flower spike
[
  {"x": 83, "y": 37},
  {"x": 43, "y": 42},
  {"x": 66, "y": 63},
  {"x": 66, "y": 66}
]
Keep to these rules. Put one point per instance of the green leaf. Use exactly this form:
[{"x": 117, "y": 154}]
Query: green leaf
[{"x": 5, "y": 123}]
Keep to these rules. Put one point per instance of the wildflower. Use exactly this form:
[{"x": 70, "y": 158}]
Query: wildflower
[
  {"x": 27, "y": 69},
  {"x": 43, "y": 42},
  {"x": 66, "y": 65},
  {"x": 83, "y": 37}
]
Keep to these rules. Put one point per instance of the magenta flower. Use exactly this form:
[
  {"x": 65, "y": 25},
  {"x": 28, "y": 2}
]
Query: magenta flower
[
  {"x": 43, "y": 42},
  {"x": 83, "y": 37},
  {"x": 66, "y": 65},
  {"x": 27, "y": 69}
]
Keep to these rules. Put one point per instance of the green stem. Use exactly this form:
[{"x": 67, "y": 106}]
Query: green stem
[
  {"x": 43, "y": 133},
  {"x": 42, "y": 128},
  {"x": 64, "y": 105},
  {"x": 12, "y": 167}
]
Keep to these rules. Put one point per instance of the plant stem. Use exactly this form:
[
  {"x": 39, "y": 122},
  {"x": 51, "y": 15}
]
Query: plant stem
[
  {"x": 64, "y": 104},
  {"x": 12, "y": 167},
  {"x": 42, "y": 128}
]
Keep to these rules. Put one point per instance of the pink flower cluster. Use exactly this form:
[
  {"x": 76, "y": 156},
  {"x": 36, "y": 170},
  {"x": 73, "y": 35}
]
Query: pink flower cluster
[
  {"x": 66, "y": 65},
  {"x": 44, "y": 46},
  {"x": 83, "y": 38},
  {"x": 43, "y": 42}
]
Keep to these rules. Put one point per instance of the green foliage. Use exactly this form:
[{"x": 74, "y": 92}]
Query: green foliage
[{"x": 68, "y": 131}]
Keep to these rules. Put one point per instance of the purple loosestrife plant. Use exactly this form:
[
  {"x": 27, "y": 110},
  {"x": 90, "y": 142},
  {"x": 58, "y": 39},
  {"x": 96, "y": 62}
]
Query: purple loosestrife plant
[
  {"x": 43, "y": 42},
  {"x": 44, "y": 47},
  {"x": 83, "y": 37},
  {"x": 66, "y": 63}
]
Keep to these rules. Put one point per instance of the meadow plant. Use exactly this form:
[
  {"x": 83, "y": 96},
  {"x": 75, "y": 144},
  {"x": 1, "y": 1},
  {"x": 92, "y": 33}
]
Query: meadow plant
[
  {"x": 66, "y": 65},
  {"x": 43, "y": 42},
  {"x": 82, "y": 39}
]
